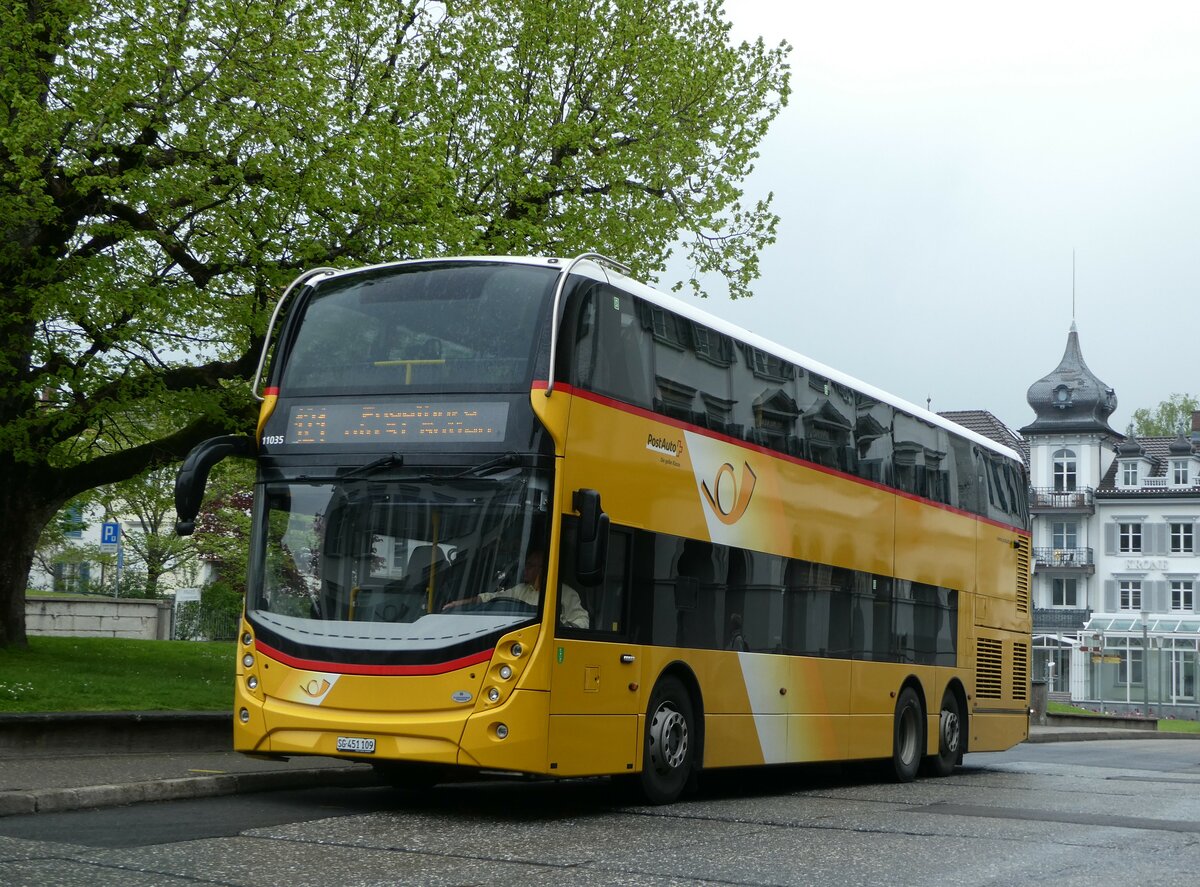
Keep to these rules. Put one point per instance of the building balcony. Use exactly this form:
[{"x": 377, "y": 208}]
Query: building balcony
[
  {"x": 1044, "y": 500},
  {"x": 1064, "y": 560},
  {"x": 1051, "y": 620}
]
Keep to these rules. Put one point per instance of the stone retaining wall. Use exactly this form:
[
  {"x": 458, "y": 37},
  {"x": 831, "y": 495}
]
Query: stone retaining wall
[
  {"x": 98, "y": 617},
  {"x": 155, "y": 731}
]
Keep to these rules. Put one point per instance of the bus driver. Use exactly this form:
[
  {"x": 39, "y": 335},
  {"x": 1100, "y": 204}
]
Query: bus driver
[{"x": 529, "y": 591}]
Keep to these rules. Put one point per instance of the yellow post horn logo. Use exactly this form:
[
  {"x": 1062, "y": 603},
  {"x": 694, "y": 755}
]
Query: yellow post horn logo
[
  {"x": 316, "y": 688},
  {"x": 741, "y": 497}
]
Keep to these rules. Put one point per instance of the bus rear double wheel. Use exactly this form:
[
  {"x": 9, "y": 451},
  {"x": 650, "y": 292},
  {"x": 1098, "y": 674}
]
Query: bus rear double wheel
[{"x": 908, "y": 737}]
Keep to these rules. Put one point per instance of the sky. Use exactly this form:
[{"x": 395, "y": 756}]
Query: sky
[{"x": 940, "y": 167}]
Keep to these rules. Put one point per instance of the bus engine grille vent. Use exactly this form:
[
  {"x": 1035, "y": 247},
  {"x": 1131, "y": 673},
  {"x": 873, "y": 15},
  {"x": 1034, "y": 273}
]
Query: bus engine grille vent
[
  {"x": 989, "y": 656},
  {"x": 1023, "y": 575},
  {"x": 1020, "y": 677}
]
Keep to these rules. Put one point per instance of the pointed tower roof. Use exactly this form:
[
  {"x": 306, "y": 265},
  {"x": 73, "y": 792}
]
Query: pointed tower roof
[
  {"x": 1131, "y": 447},
  {"x": 1180, "y": 446},
  {"x": 1071, "y": 400}
]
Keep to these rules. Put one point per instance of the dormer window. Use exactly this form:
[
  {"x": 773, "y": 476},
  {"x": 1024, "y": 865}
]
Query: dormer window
[
  {"x": 1062, "y": 397},
  {"x": 1180, "y": 473},
  {"x": 1129, "y": 474}
]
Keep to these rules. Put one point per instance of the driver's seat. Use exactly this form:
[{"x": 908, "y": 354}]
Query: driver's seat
[{"x": 423, "y": 564}]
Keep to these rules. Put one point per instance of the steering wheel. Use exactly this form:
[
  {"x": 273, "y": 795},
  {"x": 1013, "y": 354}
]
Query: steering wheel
[{"x": 506, "y": 605}]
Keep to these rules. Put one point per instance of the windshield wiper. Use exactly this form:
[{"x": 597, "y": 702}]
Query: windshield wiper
[
  {"x": 391, "y": 460},
  {"x": 394, "y": 460},
  {"x": 490, "y": 466}
]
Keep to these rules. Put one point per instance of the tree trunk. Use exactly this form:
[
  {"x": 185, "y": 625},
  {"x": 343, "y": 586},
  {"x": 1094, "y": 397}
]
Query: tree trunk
[
  {"x": 152, "y": 575},
  {"x": 23, "y": 515}
]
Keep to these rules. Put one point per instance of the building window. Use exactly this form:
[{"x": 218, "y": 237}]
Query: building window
[
  {"x": 716, "y": 348},
  {"x": 1179, "y": 473},
  {"x": 1130, "y": 536},
  {"x": 767, "y": 366},
  {"x": 1182, "y": 599},
  {"x": 667, "y": 328},
  {"x": 1129, "y": 670},
  {"x": 1066, "y": 535},
  {"x": 71, "y": 577},
  {"x": 1129, "y": 474},
  {"x": 1064, "y": 471},
  {"x": 73, "y": 522},
  {"x": 1063, "y": 593},
  {"x": 1131, "y": 594},
  {"x": 1181, "y": 538}
]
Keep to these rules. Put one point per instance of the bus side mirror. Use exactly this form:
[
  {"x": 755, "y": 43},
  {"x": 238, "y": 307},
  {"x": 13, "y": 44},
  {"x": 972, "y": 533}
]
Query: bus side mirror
[
  {"x": 193, "y": 475},
  {"x": 591, "y": 550}
]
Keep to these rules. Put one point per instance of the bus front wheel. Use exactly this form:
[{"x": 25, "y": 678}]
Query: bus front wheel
[
  {"x": 908, "y": 736},
  {"x": 669, "y": 746}
]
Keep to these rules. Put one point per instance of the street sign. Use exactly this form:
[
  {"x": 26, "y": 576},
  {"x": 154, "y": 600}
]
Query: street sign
[{"x": 110, "y": 534}]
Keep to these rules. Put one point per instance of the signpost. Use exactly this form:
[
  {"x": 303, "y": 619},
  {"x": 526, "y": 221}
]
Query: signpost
[{"x": 110, "y": 541}]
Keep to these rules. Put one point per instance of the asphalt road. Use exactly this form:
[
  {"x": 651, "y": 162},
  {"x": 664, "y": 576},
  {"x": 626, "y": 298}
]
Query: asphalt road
[{"x": 1128, "y": 816}]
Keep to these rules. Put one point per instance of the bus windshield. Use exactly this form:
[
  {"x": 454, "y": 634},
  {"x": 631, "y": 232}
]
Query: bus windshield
[
  {"x": 372, "y": 564},
  {"x": 444, "y": 326}
]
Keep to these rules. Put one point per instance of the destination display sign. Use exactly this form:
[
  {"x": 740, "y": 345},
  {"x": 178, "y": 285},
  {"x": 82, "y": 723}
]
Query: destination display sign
[{"x": 320, "y": 424}]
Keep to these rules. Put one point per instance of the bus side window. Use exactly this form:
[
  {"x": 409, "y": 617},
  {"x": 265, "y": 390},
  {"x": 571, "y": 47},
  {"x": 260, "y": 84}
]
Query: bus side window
[
  {"x": 608, "y": 600},
  {"x": 611, "y": 350},
  {"x": 586, "y": 346},
  {"x": 605, "y": 603}
]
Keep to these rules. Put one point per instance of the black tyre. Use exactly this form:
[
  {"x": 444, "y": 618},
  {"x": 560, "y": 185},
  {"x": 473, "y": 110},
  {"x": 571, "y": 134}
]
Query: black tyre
[
  {"x": 908, "y": 736},
  {"x": 950, "y": 738},
  {"x": 669, "y": 746}
]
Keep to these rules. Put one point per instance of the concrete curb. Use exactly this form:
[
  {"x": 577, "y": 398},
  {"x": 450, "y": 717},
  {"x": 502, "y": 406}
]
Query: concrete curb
[
  {"x": 121, "y": 731},
  {"x": 1097, "y": 734},
  {"x": 58, "y": 800}
]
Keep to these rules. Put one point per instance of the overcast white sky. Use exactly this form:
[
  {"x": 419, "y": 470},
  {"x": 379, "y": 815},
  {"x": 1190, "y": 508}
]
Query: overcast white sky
[{"x": 937, "y": 165}]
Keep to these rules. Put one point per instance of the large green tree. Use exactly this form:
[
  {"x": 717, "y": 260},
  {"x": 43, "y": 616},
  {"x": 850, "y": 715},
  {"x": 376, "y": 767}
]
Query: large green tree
[
  {"x": 152, "y": 550},
  {"x": 167, "y": 165},
  {"x": 1168, "y": 418}
]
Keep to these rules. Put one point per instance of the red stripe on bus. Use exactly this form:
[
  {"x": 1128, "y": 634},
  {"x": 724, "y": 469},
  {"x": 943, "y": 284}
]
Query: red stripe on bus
[
  {"x": 352, "y": 668},
  {"x": 602, "y": 400},
  {"x": 267, "y": 392}
]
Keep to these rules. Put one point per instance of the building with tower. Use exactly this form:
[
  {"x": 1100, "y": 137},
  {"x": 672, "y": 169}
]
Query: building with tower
[{"x": 1116, "y": 567}]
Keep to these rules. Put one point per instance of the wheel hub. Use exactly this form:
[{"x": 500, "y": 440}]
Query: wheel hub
[
  {"x": 950, "y": 731},
  {"x": 668, "y": 739}
]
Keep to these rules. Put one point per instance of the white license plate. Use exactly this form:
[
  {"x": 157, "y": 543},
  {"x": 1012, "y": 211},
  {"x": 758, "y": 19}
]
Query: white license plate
[{"x": 356, "y": 744}]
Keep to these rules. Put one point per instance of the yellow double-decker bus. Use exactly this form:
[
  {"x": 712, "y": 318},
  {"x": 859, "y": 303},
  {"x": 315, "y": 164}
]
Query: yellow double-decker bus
[{"x": 529, "y": 515}]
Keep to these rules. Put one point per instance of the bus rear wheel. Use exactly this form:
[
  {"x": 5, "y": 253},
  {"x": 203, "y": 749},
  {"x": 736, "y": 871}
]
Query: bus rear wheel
[
  {"x": 669, "y": 746},
  {"x": 908, "y": 736},
  {"x": 950, "y": 738}
]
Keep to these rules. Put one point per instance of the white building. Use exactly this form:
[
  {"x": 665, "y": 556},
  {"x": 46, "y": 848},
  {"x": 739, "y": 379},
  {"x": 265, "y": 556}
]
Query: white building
[{"x": 1115, "y": 526}]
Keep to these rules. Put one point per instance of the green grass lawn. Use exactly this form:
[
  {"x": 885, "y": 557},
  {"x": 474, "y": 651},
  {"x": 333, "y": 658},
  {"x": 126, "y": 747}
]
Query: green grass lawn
[
  {"x": 116, "y": 674},
  {"x": 1164, "y": 726},
  {"x": 1179, "y": 726}
]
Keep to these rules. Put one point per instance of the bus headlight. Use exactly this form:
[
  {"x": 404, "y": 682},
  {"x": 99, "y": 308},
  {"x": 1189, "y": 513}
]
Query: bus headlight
[
  {"x": 244, "y": 715},
  {"x": 252, "y": 682},
  {"x": 502, "y": 731},
  {"x": 505, "y": 672},
  {"x": 248, "y": 660},
  {"x": 247, "y": 639},
  {"x": 516, "y": 650},
  {"x": 493, "y": 694}
]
